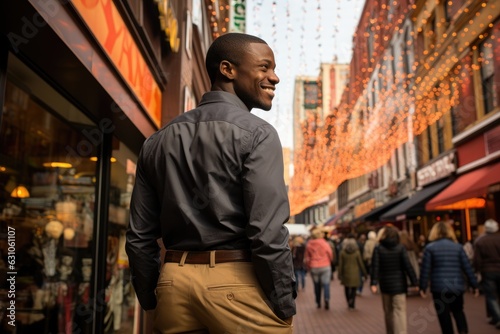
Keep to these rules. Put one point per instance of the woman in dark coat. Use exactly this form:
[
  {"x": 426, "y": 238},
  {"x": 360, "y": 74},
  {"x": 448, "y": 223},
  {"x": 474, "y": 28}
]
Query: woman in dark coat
[
  {"x": 390, "y": 268},
  {"x": 350, "y": 264},
  {"x": 444, "y": 264}
]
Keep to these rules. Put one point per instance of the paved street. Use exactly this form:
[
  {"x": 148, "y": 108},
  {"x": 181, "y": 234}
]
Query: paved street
[{"x": 368, "y": 316}]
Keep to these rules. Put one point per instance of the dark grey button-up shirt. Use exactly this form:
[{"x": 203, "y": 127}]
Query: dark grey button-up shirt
[{"x": 213, "y": 179}]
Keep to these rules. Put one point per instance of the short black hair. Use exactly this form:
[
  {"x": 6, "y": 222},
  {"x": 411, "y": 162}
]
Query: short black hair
[{"x": 230, "y": 47}]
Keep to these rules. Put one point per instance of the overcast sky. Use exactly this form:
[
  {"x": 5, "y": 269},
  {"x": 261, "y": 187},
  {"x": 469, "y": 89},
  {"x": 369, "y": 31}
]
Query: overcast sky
[{"x": 301, "y": 37}]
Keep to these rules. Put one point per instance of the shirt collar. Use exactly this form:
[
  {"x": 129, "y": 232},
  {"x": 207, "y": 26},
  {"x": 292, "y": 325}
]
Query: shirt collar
[{"x": 222, "y": 96}]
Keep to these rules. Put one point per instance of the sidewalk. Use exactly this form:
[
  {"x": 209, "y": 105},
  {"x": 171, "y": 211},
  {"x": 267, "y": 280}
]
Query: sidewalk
[{"x": 368, "y": 318}]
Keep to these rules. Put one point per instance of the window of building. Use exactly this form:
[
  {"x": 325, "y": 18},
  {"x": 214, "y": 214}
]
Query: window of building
[
  {"x": 430, "y": 152},
  {"x": 120, "y": 291},
  {"x": 463, "y": 110},
  {"x": 488, "y": 84},
  {"x": 407, "y": 52},
  {"x": 420, "y": 46},
  {"x": 440, "y": 135},
  {"x": 48, "y": 187}
]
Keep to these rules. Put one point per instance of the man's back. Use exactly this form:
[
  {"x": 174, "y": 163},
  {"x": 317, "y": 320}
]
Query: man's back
[
  {"x": 487, "y": 253},
  {"x": 199, "y": 164},
  {"x": 210, "y": 184}
]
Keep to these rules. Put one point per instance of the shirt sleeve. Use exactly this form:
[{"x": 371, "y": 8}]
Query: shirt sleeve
[
  {"x": 142, "y": 236},
  {"x": 266, "y": 205}
]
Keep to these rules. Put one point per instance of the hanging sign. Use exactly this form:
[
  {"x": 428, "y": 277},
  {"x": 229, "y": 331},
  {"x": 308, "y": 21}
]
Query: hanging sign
[{"x": 237, "y": 16}]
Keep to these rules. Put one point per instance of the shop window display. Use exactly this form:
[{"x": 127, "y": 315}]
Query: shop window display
[
  {"x": 120, "y": 297},
  {"x": 45, "y": 150}
]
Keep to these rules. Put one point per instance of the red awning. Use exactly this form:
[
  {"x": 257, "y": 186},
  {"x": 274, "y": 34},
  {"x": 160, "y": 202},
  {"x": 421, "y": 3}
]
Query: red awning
[{"x": 468, "y": 186}]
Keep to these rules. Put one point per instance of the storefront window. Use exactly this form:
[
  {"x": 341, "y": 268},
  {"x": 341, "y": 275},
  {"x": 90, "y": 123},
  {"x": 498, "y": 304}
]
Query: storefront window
[
  {"x": 47, "y": 178},
  {"x": 120, "y": 295}
]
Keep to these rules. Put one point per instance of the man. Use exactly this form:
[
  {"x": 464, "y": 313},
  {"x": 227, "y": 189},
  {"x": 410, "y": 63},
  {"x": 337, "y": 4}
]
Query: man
[
  {"x": 210, "y": 185},
  {"x": 487, "y": 262}
]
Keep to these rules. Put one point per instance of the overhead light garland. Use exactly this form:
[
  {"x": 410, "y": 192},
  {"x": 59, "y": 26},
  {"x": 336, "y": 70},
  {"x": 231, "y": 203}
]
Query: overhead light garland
[{"x": 357, "y": 138}]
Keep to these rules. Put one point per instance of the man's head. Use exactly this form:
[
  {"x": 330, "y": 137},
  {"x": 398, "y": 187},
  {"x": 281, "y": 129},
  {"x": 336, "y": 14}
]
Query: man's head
[
  {"x": 490, "y": 226},
  {"x": 243, "y": 65}
]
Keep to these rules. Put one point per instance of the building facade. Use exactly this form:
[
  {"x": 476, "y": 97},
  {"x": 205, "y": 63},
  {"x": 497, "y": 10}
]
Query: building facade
[
  {"x": 417, "y": 125},
  {"x": 433, "y": 94}
]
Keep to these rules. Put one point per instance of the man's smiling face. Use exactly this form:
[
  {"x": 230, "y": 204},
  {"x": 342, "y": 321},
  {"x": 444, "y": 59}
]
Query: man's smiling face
[{"x": 255, "y": 80}]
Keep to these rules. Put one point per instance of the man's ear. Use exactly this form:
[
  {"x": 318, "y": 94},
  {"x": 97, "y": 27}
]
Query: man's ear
[{"x": 227, "y": 69}]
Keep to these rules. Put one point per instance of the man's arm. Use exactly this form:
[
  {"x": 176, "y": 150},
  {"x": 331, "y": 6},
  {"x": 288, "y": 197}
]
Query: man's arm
[
  {"x": 142, "y": 234},
  {"x": 267, "y": 207}
]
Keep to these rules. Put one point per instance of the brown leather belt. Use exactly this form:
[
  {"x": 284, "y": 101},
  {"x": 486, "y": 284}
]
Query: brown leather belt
[{"x": 220, "y": 256}]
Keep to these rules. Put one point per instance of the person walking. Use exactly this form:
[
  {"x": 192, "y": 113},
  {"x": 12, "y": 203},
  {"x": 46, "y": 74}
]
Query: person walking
[
  {"x": 370, "y": 244},
  {"x": 391, "y": 267},
  {"x": 318, "y": 259},
  {"x": 487, "y": 263},
  {"x": 444, "y": 264},
  {"x": 349, "y": 268},
  {"x": 210, "y": 185},
  {"x": 411, "y": 250},
  {"x": 299, "y": 266},
  {"x": 361, "y": 245}
]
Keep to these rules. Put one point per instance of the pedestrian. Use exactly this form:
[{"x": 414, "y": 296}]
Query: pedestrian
[
  {"x": 299, "y": 266},
  {"x": 350, "y": 265},
  {"x": 370, "y": 244},
  {"x": 390, "y": 269},
  {"x": 421, "y": 243},
  {"x": 210, "y": 185},
  {"x": 444, "y": 264},
  {"x": 361, "y": 244},
  {"x": 487, "y": 263},
  {"x": 469, "y": 250},
  {"x": 411, "y": 249},
  {"x": 319, "y": 257}
]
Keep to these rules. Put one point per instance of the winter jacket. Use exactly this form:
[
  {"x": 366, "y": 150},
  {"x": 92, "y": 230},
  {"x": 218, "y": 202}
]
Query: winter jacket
[
  {"x": 443, "y": 264},
  {"x": 391, "y": 266},
  {"x": 318, "y": 253},
  {"x": 350, "y": 264},
  {"x": 487, "y": 253}
]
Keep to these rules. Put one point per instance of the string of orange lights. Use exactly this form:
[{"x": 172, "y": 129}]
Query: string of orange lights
[{"x": 356, "y": 139}]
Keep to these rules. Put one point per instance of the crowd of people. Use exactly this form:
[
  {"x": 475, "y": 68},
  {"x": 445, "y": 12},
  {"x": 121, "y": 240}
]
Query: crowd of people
[{"x": 395, "y": 266}]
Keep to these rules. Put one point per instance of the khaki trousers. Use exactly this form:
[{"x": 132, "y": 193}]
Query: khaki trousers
[
  {"x": 224, "y": 298},
  {"x": 395, "y": 313}
]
